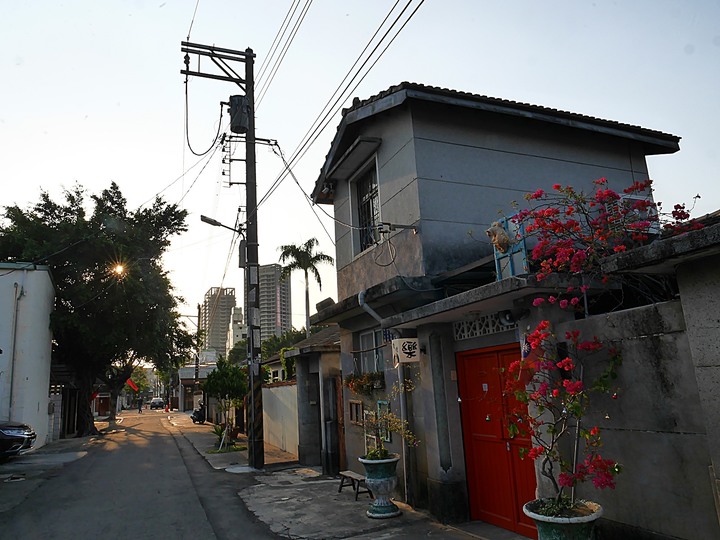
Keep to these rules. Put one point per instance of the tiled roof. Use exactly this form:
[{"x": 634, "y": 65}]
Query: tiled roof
[{"x": 517, "y": 105}]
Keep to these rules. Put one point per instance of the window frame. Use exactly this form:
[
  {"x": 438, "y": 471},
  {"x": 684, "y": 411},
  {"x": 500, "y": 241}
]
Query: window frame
[
  {"x": 358, "y": 201},
  {"x": 355, "y": 407},
  {"x": 375, "y": 352}
]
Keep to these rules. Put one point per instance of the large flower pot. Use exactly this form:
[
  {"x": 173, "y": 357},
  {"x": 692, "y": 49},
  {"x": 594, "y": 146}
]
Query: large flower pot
[
  {"x": 381, "y": 480},
  {"x": 580, "y": 527}
]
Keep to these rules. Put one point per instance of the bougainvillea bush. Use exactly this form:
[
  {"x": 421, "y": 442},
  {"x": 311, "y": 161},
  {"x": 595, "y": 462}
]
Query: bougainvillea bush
[{"x": 572, "y": 232}]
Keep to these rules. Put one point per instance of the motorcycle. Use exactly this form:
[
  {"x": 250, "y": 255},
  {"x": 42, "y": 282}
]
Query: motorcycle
[{"x": 198, "y": 415}]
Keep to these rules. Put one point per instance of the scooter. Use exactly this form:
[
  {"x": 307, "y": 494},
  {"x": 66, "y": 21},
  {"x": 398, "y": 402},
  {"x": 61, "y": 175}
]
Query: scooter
[{"x": 198, "y": 415}]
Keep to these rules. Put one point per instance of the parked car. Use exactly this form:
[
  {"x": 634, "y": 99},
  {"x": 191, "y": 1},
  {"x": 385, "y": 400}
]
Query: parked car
[
  {"x": 15, "y": 438},
  {"x": 157, "y": 403}
]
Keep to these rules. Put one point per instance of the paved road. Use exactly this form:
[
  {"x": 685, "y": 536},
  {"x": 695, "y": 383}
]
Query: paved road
[{"x": 143, "y": 481}]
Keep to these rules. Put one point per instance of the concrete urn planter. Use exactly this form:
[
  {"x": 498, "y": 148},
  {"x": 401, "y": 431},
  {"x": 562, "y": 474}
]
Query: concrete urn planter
[
  {"x": 580, "y": 527},
  {"x": 381, "y": 480}
]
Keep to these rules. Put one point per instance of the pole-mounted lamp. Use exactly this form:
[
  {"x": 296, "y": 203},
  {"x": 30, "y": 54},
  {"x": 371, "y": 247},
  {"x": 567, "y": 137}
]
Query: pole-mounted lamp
[
  {"x": 255, "y": 438},
  {"x": 243, "y": 244}
]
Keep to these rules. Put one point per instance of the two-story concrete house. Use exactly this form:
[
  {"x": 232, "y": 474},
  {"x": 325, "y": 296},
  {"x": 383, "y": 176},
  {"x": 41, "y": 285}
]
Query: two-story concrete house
[{"x": 416, "y": 175}]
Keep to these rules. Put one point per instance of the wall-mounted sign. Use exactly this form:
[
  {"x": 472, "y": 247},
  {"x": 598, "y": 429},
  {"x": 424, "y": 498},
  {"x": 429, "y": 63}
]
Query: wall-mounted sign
[{"x": 405, "y": 350}]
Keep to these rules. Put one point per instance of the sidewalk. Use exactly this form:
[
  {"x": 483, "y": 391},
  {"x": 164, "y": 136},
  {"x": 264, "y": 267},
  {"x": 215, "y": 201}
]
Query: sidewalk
[{"x": 301, "y": 503}]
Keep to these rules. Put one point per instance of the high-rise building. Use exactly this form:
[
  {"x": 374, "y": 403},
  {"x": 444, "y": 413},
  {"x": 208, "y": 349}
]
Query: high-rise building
[
  {"x": 215, "y": 317},
  {"x": 275, "y": 303},
  {"x": 237, "y": 330}
]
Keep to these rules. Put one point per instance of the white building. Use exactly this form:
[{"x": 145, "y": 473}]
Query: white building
[
  {"x": 237, "y": 330},
  {"x": 27, "y": 297}
]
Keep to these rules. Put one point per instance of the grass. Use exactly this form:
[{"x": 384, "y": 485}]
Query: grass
[{"x": 230, "y": 448}]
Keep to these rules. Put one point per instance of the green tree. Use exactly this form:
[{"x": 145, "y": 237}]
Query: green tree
[
  {"x": 274, "y": 344},
  {"x": 228, "y": 383},
  {"x": 114, "y": 306},
  {"x": 304, "y": 258},
  {"x": 139, "y": 377},
  {"x": 238, "y": 353}
]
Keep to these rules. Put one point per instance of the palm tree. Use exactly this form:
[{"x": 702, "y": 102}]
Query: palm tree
[{"x": 303, "y": 258}]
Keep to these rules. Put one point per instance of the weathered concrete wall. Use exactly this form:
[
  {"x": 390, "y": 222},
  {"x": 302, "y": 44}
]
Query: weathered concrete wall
[
  {"x": 699, "y": 290},
  {"x": 441, "y": 483},
  {"x": 655, "y": 428},
  {"x": 280, "y": 416}
]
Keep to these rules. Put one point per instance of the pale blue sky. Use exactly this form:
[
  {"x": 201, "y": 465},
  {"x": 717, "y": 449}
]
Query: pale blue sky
[{"x": 91, "y": 92}]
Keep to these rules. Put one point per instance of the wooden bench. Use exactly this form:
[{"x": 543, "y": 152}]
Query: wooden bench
[{"x": 350, "y": 478}]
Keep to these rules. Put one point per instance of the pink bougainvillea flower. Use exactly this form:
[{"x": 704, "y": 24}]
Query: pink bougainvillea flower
[{"x": 535, "y": 452}]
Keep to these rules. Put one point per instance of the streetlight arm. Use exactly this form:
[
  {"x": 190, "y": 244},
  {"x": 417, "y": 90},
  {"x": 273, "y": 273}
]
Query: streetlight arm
[{"x": 215, "y": 223}]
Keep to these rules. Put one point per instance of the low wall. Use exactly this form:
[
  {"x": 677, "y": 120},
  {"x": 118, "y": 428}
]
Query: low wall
[{"x": 654, "y": 428}]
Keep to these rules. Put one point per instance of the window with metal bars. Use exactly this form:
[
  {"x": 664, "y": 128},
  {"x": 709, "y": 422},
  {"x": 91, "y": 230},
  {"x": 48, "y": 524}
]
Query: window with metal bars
[
  {"x": 372, "y": 355},
  {"x": 368, "y": 208}
]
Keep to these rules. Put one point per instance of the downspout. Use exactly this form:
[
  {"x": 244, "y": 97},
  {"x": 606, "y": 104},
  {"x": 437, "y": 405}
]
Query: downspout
[
  {"x": 374, "y": 314},
  {"x": 19, "y": 293},
  {"x": 367, "y": 308}
]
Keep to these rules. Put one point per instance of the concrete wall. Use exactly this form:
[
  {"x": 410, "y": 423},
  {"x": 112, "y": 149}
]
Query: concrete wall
[
  {"x": 27, "y": 297},
  {"x": 699, "y": 290},
  {"x": 656, "y": 427},
  {"x": 280, "y": 416}
]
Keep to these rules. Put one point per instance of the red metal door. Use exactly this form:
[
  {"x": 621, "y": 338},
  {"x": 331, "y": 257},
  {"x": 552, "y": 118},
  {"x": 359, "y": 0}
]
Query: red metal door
[{"x": 499, "y": 482}]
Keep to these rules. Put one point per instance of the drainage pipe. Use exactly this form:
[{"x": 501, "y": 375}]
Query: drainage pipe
[
  {"x": 401, "y": 382},
  {"x": 367, "y": 308},
  {"x": 19, "y": 293}
]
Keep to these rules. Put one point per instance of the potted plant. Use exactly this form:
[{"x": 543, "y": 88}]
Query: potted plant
[
  {"x": 380, "y": 464},
  {"x": 365, "y": 383},
  {"x": 574, "y": 231},
  {"x": 551, "y": 401}
]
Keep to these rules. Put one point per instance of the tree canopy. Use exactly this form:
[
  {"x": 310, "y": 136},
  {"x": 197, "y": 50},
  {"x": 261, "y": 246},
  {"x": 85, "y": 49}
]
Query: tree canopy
[
  {"x": 226, "y": 381},
  {"x": 303, "y": 257},
  {"x": 115, "y": 305}
]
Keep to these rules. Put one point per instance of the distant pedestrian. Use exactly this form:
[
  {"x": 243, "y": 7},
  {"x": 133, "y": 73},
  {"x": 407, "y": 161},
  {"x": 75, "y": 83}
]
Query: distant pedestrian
[{"x": 140, "y": 405}]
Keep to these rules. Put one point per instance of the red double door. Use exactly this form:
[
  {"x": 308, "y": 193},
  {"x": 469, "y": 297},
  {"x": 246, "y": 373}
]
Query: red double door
[{"x": 499, "y": 482}]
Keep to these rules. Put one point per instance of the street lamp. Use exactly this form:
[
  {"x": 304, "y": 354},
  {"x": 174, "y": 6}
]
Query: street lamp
[
  {"x": 216, "y": 223},
  {"x": 256, "y": 451}
]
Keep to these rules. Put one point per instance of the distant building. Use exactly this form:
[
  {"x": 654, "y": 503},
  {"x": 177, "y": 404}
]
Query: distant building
[
  {"x": 237, "y": 330},
  {"x": 275, "y": 304},
  {"x": 215, "y": 316}
]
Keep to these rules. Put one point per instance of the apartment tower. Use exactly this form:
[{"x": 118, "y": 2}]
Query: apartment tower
[
  {"x": 275, "y": 306},
  {"x": 215, "y": 317}
]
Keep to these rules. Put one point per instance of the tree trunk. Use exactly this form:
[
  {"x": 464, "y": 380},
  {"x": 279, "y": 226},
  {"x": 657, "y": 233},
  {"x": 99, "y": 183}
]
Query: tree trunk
[
  {"x": 307, "y": 305},
  {"x": 85, "y": 420}
]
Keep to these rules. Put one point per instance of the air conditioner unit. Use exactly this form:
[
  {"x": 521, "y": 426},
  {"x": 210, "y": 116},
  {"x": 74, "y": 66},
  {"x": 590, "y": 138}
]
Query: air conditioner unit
[{"x": 623, "y": 212}]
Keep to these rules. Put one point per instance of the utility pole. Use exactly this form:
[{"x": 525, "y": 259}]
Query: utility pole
[{"x": 224, "y": 59}]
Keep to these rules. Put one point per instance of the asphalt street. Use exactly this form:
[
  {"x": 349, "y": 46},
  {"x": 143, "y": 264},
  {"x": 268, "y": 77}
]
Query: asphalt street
[
  {"x": 142, "y": 480},
  {"x": 154, "y": 475}
]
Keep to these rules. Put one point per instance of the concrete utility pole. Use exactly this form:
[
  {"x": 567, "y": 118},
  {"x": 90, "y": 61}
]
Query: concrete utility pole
[{"x": 224, "y": 59}]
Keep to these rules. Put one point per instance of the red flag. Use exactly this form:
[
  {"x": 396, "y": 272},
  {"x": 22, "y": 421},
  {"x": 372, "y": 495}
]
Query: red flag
[{"x": 131, "y": 384}]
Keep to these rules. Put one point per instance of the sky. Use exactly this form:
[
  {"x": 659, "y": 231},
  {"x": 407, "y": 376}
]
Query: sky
[{"x": 91, "y": 92}]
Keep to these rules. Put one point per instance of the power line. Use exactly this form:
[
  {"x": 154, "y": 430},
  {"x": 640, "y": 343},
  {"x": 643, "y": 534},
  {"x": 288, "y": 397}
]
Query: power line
[
  {"x": 307, "y": 198},
  {"x": 276, "y": 41},
  {"x": 317, "y": 123},
  {"x": 280, "y": 59},
  {"x": 192, "y": 21},
  {"x": 321, "y": 120},
  {"x": 187, "y": 121}
]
